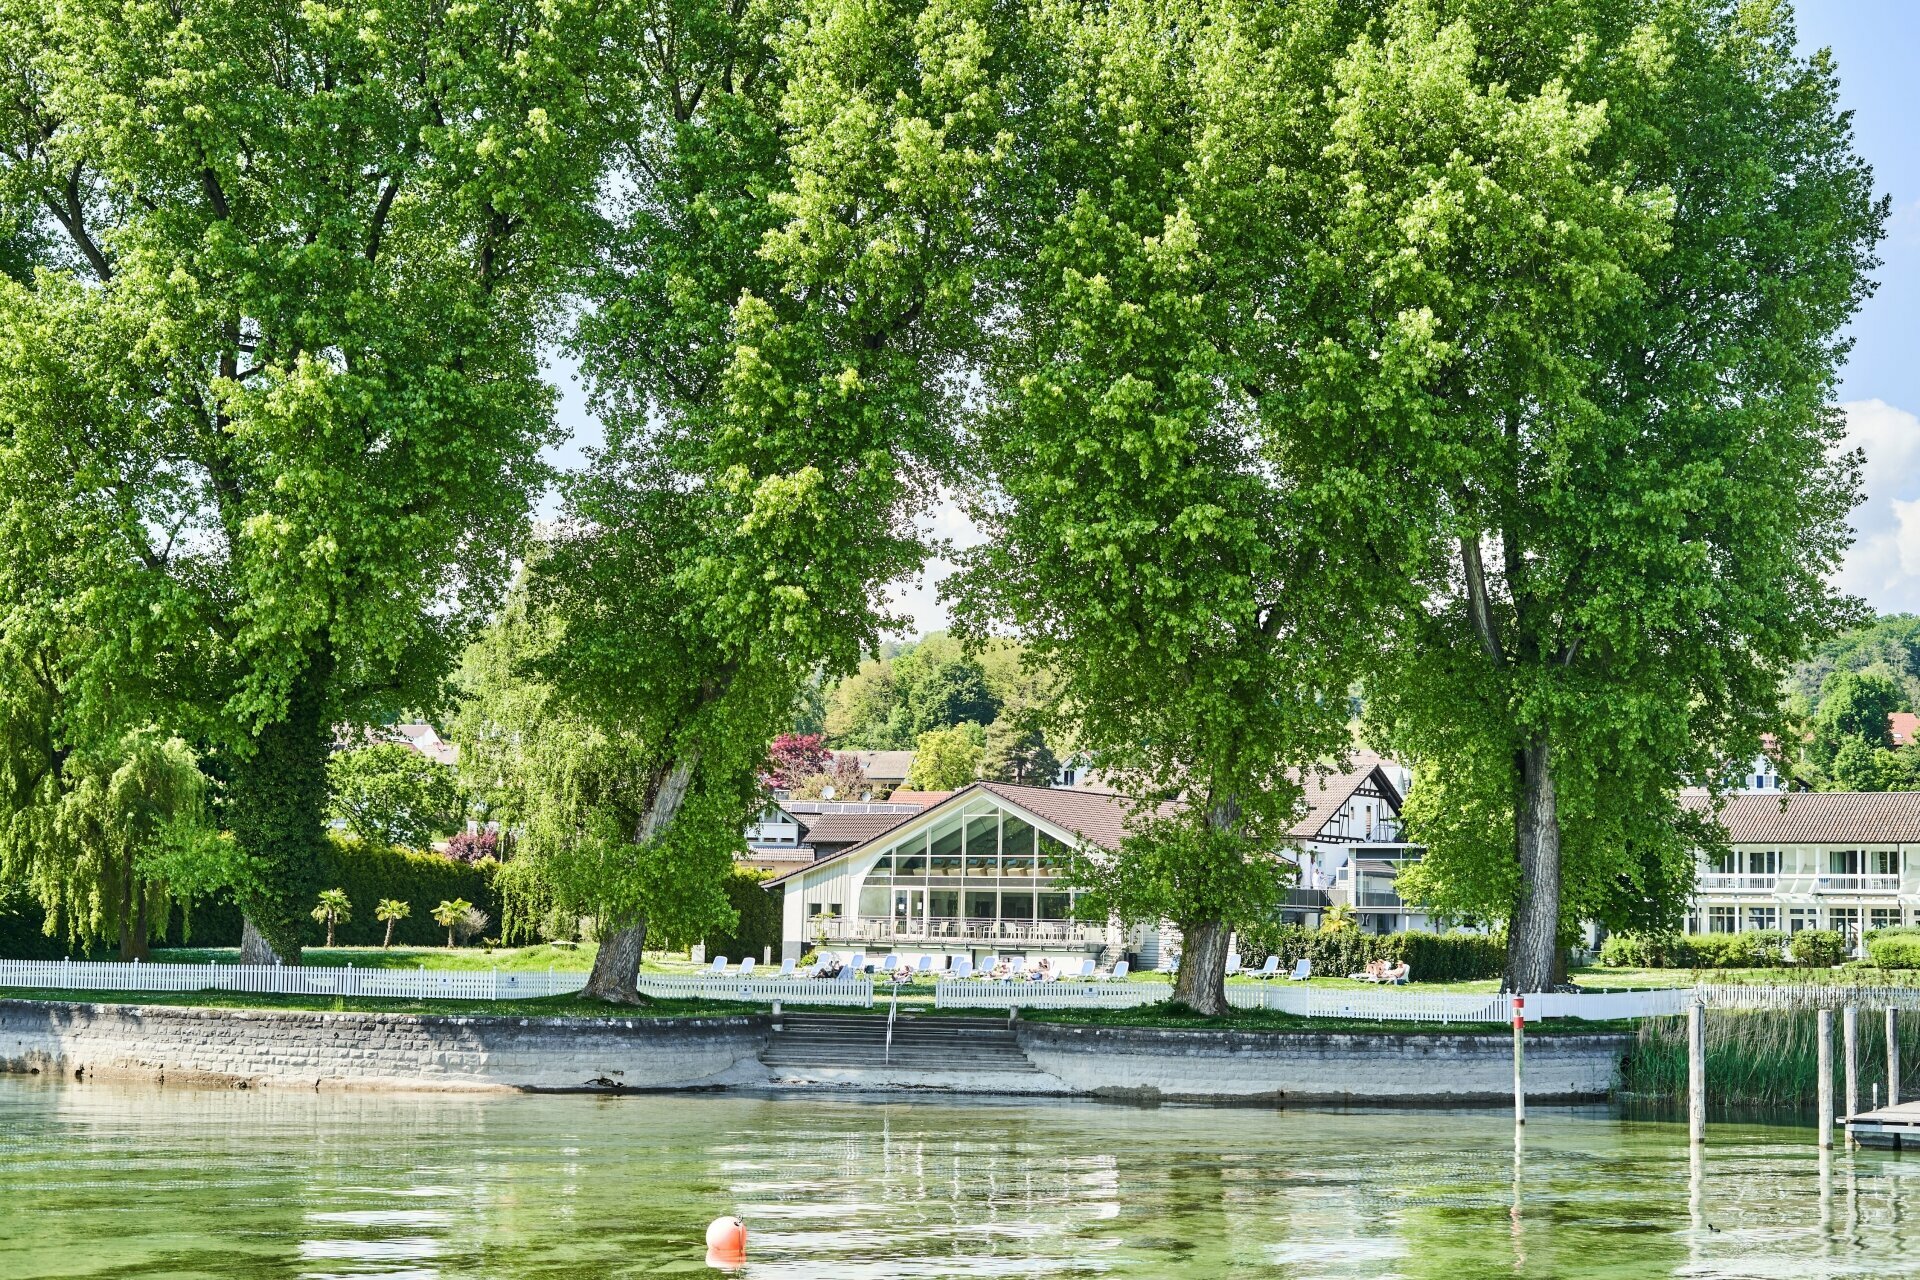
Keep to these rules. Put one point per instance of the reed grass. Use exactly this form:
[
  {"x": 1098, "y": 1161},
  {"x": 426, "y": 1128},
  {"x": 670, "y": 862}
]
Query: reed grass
[{"x": 1768, "y": 1058}]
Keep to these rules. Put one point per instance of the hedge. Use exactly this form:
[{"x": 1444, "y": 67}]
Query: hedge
[
  {"x": 1900, "y": 951},
  {"x": 1754, "y": 949},
  {"x": 368, "y": 873},
  {"x": 1432, "y": 957},
  {"x": 758, "y": 927}
]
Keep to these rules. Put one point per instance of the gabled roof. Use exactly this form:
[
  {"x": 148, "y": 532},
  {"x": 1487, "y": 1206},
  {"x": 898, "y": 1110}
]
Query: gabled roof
[
  {"x": 1097, "y": 816},
  {"x": 1327, "y": 794},
  {"x": 839, "y": 829},
  {"x": 1819, "y": 817},
  {"x": 1903, "y": 727},
  {"x": 880, "y": 764}
]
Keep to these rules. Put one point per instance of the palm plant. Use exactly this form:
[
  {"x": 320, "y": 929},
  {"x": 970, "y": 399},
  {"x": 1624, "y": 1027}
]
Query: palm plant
[
  {"x": 334, "y": 909},
  {"x": 450, "y": 913},
  {"x": 391, "y": 910}
]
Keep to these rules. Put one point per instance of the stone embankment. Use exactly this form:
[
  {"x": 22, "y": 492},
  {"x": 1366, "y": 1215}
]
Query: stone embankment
[{"x": 252, "y": 1048}]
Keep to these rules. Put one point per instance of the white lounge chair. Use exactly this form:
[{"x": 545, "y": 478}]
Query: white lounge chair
[
  {"x": 1086, "y": 970},
  {"x": 1119, "y": 973},
  {"x": 891, "y": 963},
  {"x": 1302, "y": 970},
  {"x": 961, "y": 969},
  {"x": 718, "y": 969},
  {"x": 1233, "y": 963},
  {"x": 985, "y": 970},
  {"x": 786, "y": 970},
  {"x": 858, "y": 962},
  {"x": 1271, "y": 969},
  {"x": 924, "y": 968},
  {"x": 1399, "y": 975},
  {"x": 746, "y": 967}
]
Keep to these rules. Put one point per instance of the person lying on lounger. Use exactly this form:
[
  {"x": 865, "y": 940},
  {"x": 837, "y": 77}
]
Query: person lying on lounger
[
  {"x": 1376, "y": 971},
  {"x": 1398, "y": 974},
  {"x": 830, "y": 968}
]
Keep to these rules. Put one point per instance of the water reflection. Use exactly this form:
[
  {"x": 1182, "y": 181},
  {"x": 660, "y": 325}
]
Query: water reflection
[{"x": 99, "y": 1181}]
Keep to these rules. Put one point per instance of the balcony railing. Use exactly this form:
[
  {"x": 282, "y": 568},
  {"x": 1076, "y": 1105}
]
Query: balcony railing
[
  {"x": 1730, "y": 882},
  {"x": 893, "y": 929},
  {"x": 1857, "y": 884}
]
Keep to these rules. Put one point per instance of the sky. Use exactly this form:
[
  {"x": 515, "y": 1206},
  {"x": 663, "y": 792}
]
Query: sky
[{"x": 1873, "y": 44}]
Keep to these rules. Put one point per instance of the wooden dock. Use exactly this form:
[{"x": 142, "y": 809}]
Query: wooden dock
[{"x": 1895, "y": 1127}]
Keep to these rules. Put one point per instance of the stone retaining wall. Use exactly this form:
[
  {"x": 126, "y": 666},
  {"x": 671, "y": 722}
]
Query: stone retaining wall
[
  {"x": 242, "y": 1047},
  {"x": 1378, "y": 1068}
]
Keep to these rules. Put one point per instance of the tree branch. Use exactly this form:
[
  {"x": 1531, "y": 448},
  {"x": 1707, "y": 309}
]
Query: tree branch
[
  {"x": 73, "y": 218},
  {"x": 1478, "y": 610}
]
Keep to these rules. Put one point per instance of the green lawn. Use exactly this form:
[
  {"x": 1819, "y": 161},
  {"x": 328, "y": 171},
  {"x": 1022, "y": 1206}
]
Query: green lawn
[{"x": 560, "y": 956}]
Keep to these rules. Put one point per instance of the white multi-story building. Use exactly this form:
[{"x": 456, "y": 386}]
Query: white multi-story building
[{"x": 1842, "y": 860}]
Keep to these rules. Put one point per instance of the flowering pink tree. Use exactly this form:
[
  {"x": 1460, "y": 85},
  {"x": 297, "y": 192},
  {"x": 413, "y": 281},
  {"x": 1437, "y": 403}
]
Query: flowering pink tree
[{"x": 793, "y": 756}]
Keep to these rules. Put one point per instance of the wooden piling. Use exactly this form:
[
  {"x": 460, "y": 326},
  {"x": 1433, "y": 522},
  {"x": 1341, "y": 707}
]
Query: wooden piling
[
  {"x": 1893, "y": 1057},
  {"x": 1823, "y": 1033},
  {"x": 1519, "y": 1062},
  {"x": 1850, "y": 1053},
  {"x": 1696, "y": 1073}
]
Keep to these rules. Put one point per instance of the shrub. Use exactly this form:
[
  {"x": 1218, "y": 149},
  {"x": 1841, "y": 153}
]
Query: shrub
[
  {"x": 1899, "y": 951},
  {"x": 758, "y": 924},
  {"x": 1433, "y": 957},
  {"x": 1818, "y": 948},
  {"x": 23, "y": 929}
]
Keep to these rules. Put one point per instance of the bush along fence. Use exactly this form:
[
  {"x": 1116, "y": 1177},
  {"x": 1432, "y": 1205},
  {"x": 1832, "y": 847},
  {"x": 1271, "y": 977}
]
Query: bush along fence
[{"x": 1454, "y": 957}]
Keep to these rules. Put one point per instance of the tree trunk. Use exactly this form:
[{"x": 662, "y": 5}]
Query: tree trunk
[
  {"x": 1201, "y": 984},
  {"x": 387, "y": 941},
  {"x": 133, "y": 927},
  {"x": 616, "y": 965},
  {"x": 254, "y": 947},
  {"x": 1533, "y": 934},
  {"x": 276, "y": 809},
  {"x": 329, "y": 935}
]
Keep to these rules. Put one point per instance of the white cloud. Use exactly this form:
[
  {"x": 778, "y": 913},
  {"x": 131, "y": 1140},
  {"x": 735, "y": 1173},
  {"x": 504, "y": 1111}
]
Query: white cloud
[{"x": 1883, "y": 565}]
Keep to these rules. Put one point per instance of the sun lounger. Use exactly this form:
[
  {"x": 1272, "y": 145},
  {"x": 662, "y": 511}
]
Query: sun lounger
[
  {"x": 1233, "y": 963},
  {"x": 1271, "y": 969},
  {"x": 1086, "y": 970},
  {"x": 1119, "y": 973},
  {"x": 786, "y": 970},
  {"x": 1302, "y": 970},
  {"x": 1398, "y": 975},
  {"x": 718, "y": 969},
  {"x": 962, "y": 968},
  {"x": 746, "y": 967},
  {"x": 924, "y": 967}
]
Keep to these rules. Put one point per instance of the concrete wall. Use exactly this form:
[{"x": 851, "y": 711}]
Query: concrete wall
[
  {"x": 377, "y": 1050},
  {"x": 1363, "y": 1069}
]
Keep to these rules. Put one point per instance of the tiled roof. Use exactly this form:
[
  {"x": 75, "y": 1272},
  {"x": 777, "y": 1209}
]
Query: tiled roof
[
  {"x": 1327, "y": 794},
  {"x": 881, "y": 765},
  {"x": 923, "y": 799},
  {"x": 1819, "y": 817},
  {"x": 1099, "y": 816},
  {"x": 1904, "y": 726},
  {"x": 839, "y": 829}
]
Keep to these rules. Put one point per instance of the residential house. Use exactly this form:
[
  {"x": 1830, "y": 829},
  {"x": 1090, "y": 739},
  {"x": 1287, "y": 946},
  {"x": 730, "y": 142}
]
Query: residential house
[
  {"x": 1350, "y": 847},
  {"x": 885, "y": 770},
  {"x": 1842, "y": 860}
]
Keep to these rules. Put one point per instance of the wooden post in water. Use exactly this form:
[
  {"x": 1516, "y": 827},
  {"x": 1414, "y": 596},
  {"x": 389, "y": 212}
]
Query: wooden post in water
[
  {"x": 1696, "y": 1073},
  {"x": 1893, "y": 1056},
  {"x": 1850, "y": 1051},
  {"x": 1823, "y": 1024},
  {"x": 1519, "y": 1062}
]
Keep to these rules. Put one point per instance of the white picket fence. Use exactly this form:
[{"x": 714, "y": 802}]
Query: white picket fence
[
  {"x": 1401, "y": 1005},
  {"x": 288, "y": 980},
  {"x": 961, "y": 993},
  {"x": 854, "y": 993},
  {"x": 406, "y": 984},
  {"x": 1797, "y": 996}
]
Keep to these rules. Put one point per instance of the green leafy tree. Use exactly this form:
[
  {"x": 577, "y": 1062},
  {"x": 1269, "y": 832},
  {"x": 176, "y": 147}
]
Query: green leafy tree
[
  {"x": 1180, "y": 573},
  {"x": 1852, "y": 713},
  {"x": 1887, "y": 646},
  {"x": 1600, "y": 258},
  {"x": 1018, "y": 753},
  {"x": 769, "y": 349},
  {"x": 391, "y": 911},
  {"x": 334, "y": 909},
  {"x": 952, "y": 693},
  {"x": 947, "y": 759},
  {"x": 451, "y": 914},
  {"x": 279, "y": 373},
  {"x": 388, "y": 793}
]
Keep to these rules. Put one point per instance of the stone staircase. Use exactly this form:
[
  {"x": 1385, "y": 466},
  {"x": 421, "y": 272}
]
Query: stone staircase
[{"x": 934, "y": 1050}]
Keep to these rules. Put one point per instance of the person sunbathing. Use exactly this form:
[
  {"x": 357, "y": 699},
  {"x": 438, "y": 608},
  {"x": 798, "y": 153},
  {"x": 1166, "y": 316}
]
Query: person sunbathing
[
  {"x": 1398, "y": 974},
  {"x": 1374, "y": 972}
]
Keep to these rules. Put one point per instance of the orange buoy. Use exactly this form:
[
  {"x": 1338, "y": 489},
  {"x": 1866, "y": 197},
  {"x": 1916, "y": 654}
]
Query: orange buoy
[{"x": 726, "y": 1240}]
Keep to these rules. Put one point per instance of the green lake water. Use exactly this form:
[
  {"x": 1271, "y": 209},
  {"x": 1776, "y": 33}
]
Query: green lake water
[{"x": 99, "y": 1180}]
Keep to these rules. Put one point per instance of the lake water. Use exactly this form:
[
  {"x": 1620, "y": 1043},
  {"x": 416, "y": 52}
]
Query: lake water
[{"x": 98, "y": 1180}]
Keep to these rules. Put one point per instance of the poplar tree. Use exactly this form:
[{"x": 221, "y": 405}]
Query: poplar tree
[
  {"x": 771, "y": 350},
  {"x": 1598, "y": 257},
  {"x": 1181, "y": 572},
  {"x": 277, "y": 382}
]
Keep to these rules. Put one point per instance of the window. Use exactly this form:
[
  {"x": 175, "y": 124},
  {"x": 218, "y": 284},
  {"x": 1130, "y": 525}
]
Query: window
[
  {"x": 944, "y": 859},
  {"x": 1723, "y": 863},
  {"x": 1723, "y": 919},
  {"x": 981, "y": 904},
  {"x": 875, "y": 900},
  {"x": 1843, "y": 862},
  {"x": 1763, "y": 917},
  {"x": 910, "y": 859},
  {"x": 943, "y": 904},
  {"x": 1883, "y": 918},
  {"x": 1883, "y": 862},
  {"x": 1056, "y": 906},
  {"x": 983, "y": 847},
  {"x": 1799, "y": 918},
  {"x": 1066, "y": 776},
  {"x": 1017, "y": 906},
  {"x": 1845, "y": 921},
  {"x": 1763, "y": 862},
  {"x": 1016, "y": 848},
  {"x": 1053, "y": 855}
]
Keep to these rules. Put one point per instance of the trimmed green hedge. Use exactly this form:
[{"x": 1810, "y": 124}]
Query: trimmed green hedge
[
  {"x": 758, "y": 927},
  {"x": 1433, "y": 957},
  {"x": 1900, "y": 951},
  {"x": 1754, "y": 949}
]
